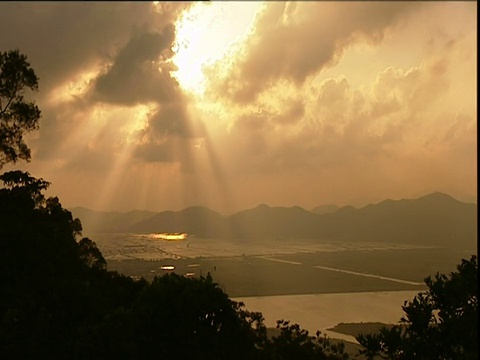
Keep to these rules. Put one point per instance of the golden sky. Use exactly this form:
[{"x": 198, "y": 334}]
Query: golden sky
[{"x": 161, "y": 106}]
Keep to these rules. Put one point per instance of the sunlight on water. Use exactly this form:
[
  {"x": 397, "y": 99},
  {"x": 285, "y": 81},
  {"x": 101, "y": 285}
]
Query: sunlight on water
[
  {"x": 169, "y": 236},
  {"x": 167, "y": 267}
]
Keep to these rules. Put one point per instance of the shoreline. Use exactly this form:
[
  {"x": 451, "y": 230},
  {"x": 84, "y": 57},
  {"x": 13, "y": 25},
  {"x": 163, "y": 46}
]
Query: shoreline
[{"x": 325, "y": 311}]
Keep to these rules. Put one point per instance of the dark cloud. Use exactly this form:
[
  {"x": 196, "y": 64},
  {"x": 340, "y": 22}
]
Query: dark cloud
[
  {"x": 168, "y": 136},
  {"x": 170, "y": 120},
  {"x": 61, "y": 38},
  {"x": 130, "y": 41},
  {"x": 139, "y": 72}
]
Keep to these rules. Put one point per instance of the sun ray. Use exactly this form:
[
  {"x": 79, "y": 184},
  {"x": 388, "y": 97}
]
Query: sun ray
[
  {"x": 112, "y": 181},
  {"x": 75, "y": 87}
]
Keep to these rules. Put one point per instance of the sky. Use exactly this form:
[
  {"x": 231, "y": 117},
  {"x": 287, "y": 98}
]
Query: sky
[{"x": 160, "y": 106}]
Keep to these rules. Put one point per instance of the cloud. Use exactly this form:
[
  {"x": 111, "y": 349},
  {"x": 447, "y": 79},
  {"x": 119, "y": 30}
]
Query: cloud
[
  {"x": 295, "y": 40},
  {"x": 102, "y": 53},
  {"x": 62, "y": 38},
  {"x": 140, "y": 72},
  {"x": 338, "y": 126},
  {"x": 324, "y": 101},
  {"x": 166, "y": 136},
  {"x": 170, "y": 119}
]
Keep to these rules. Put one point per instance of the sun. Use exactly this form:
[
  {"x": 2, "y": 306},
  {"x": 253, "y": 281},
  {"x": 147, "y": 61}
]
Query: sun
[{"x": 205, "y": 33}]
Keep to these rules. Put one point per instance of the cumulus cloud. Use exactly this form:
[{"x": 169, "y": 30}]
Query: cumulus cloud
[
  {"x": 166, "y": 135},
  {"x": 170, "y": 120},
  {"x": 125, "y": 48},
  {"x": 295, "y": 40},
  {"x": 339, "y": 126},
  {"x": 139, "y": 72},
  {"x": 61, "y": 38}
]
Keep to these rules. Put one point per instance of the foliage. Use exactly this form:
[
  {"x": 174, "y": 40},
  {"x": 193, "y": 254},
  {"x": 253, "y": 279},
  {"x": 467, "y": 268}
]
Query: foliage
[
  {"x": 440, "y": 324},
  {"x": 179, "y": 317},
  {"x": 17, "y": 115},
  {"x": 296, "y": 343},
  {"x": 52, "y": 286},
  {"x": 91, "y": 255}
]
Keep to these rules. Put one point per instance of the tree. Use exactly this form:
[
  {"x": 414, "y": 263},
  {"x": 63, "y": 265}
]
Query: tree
[
  {"x": 53, "y": 288},
  {"x": 295, "y": 343},
  {"x": 179, "y": 318},
  {"x": 439, "y": 324},
  {"x": 91, "y": 255},
  {"x": 17, "y": 115}
]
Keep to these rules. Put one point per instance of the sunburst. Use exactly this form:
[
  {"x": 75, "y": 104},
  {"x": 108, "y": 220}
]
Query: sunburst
[{"x": 205, "y": 33}]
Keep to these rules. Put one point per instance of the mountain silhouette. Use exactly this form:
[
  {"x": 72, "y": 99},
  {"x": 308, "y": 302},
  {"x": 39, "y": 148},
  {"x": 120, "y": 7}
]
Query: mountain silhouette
[
  {"x": 277, "y": 222},
  {"x": 434, "y": 219},
  {"x": 325, "y": 209},
  {"x": 196, "y": 220}
]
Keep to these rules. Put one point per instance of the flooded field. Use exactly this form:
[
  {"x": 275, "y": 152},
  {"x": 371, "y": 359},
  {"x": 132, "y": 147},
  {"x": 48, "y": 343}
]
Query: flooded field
[
  {"x": 151, "y": 247},
  {"x": 280, "y": 267},
  {"x": 315, "y": 283}
]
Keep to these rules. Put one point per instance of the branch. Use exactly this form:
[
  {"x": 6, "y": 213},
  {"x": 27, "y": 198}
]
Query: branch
[
  {"x": 6, "y": 106},
  {"x": 14, "y": 95}
]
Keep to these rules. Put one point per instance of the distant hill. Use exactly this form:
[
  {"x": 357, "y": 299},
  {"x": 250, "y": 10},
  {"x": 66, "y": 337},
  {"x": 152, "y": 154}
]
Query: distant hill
[
  {"x": 197, "y": 220},
  {"x": 101, "y": 221},
  {"x": 434, "y": 219},
  {"x": 276, "y": 222},
  {"x": 325, "y": 209}
]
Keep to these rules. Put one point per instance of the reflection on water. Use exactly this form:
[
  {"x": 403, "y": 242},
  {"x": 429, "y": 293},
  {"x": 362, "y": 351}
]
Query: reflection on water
[
  {"x": 167, "y": 267},
  {"x": 168, "y": 236}
]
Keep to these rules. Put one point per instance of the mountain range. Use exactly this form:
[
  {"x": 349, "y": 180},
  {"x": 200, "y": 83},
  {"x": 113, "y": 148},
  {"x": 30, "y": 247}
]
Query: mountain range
[{"x": 435, "y": 219}]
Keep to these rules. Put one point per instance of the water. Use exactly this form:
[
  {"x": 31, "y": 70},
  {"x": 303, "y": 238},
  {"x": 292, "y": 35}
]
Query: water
[
  {"x": 322, "y": 311},
  {"x": 123, "y": 246},
  {"x": 359, "y": 281}
]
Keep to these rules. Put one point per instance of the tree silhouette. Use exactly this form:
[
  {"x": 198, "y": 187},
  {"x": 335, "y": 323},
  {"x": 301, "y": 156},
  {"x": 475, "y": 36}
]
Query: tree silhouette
[
  {"x": 17, "y": 115},
  {"x": 56, "y": 291},
  {"x": 181, "y": 317},
  {"x": 294, "y": 342},
  {"x": 439, "y": 324},
  {"x": 91, "y": 255}
]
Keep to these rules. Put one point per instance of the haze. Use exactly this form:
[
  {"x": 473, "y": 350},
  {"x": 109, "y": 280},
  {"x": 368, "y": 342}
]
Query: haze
[{"x": 161, "y": 106}]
